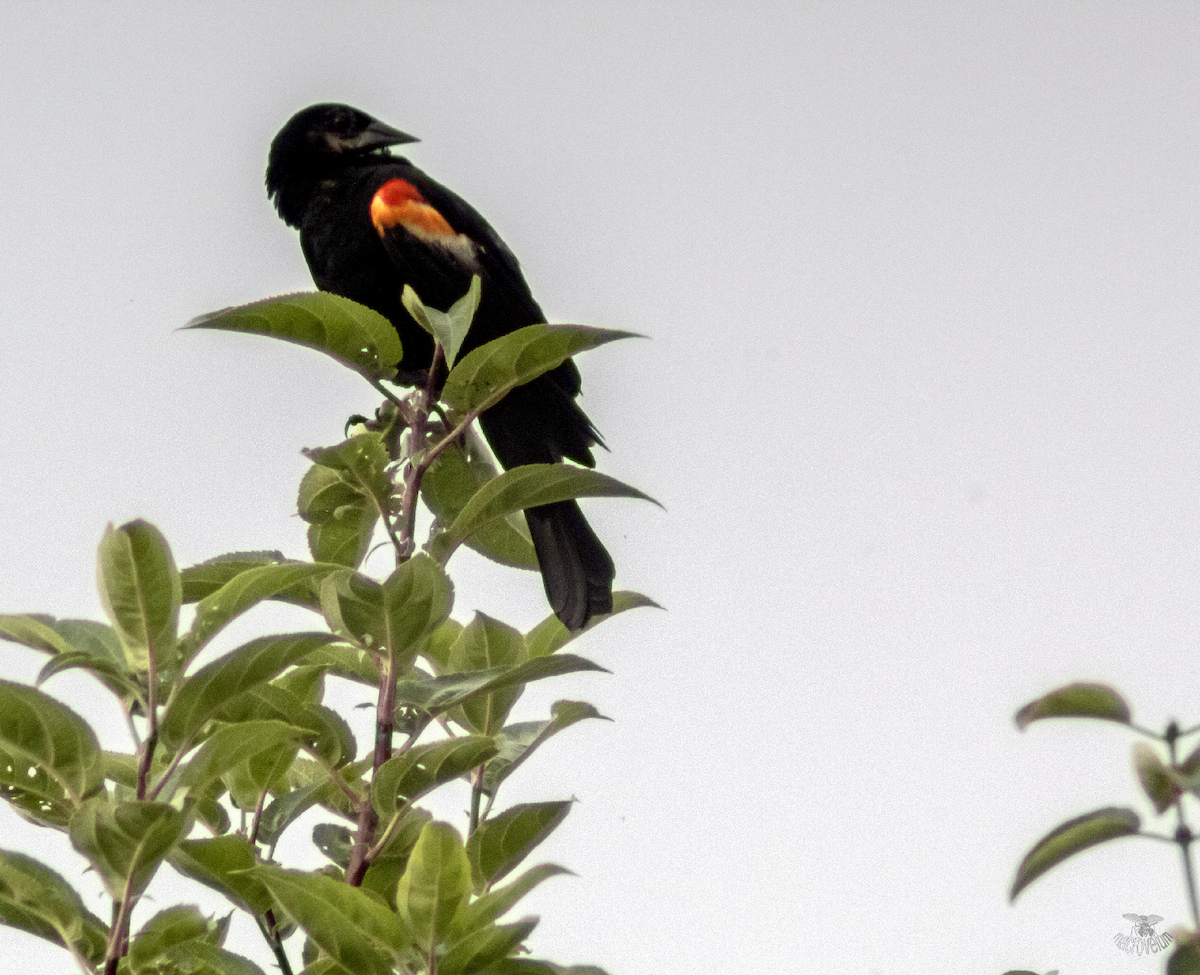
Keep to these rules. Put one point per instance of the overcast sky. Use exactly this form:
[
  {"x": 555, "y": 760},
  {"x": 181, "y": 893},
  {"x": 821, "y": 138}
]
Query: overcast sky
[{"x": 920, "y": 400}]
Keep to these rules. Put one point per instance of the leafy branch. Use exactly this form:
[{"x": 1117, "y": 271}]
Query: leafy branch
[
  {"x": 1166, "y": 781},
  {"x": 244, "y": 734}
]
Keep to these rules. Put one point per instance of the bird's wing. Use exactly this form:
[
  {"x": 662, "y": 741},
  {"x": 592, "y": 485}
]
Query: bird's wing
[{"x": 432, "y": 235}]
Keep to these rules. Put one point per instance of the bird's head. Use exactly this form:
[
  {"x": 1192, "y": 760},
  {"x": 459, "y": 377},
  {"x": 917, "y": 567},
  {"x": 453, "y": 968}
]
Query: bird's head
[{"x": 319, "y": 135}]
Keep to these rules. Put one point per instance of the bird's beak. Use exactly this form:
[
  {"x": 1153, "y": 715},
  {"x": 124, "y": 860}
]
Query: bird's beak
[{"x": 377, "y": 135}]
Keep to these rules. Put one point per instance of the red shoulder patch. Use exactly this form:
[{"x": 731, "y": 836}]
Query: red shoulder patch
[{"x": 398, "y": 202}]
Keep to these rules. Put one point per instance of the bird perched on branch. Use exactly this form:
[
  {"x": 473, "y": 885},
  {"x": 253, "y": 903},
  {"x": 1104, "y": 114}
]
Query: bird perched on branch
[{"x": 370, "y": 223}]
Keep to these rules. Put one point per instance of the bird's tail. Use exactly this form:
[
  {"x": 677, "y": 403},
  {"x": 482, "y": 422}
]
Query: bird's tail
[{"x": 576, "y": 569}]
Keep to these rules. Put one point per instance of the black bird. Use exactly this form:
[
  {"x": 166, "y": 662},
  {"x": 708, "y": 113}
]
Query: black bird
[{"x": 371, "y": 222}]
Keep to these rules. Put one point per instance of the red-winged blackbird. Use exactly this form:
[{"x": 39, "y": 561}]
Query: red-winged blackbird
[{"x": 371, "y": 222}]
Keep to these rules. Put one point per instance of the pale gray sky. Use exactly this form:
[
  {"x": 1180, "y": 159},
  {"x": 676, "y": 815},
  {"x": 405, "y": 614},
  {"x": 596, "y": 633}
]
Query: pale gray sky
[{"x": 920, "y": 400}]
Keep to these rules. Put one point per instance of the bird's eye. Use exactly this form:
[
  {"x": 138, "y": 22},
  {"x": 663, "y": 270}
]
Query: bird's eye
[{"x": 342, "y": 123}]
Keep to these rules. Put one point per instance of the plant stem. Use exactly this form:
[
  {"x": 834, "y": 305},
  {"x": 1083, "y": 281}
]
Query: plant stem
[
  {"x": 391, "y": 397},
  {"x": 1183, "y": 834},
  {"x": 487, "y": 809},
  {"x": 257, "y": 817},
  {"x": 266, "y": 924},
  {"x": 153, "y": 793},
  {"x": 151, "y": 741},
  {"x": 1184, "y": 838},
  {"x": 133, "y": 732},
  {"x": 390, "y": 830},
  {"x": 416, "y": 469},
  {"x": 368, "y": 818},
  {"x": 436, "y": 450},
  {"x": 117, "y": 936},
  {"x": 476, "y": 793}
]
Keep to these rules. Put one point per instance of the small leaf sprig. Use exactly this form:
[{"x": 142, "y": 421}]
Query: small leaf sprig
[{"x": 1166, "y": 782}]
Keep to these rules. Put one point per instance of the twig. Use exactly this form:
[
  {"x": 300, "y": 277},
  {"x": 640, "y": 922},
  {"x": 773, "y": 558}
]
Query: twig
[
  {"x": 151, "y": 741},
  {"x": 417, "y": 468},
  {"x": 258, "y": 811},
  {"x": 1183, "y": 834},
  {"x": 476, "y": 793},
  {"x": 270, "y": 932},
  {"x": 117, "y": 936}
]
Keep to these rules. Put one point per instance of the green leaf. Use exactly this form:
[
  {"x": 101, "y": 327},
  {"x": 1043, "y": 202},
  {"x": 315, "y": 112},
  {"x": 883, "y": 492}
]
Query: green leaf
[
  {"x": 353, "y": 607},
  {"x": 166, "y": 929},
  {"x": 1078, "y": 700},
  {"x": 416, "y": 308},
  {"x": 212, "y": 687},
  {"x": 384, "y": 873},
  {"x": 436, "y": 883},
  {"x": 305, "y": 684},
  {"x": 345, "y": 539},
  {"x": 285, "y": 809},
  {"x": 126, "y": 841},
  {"x": 223, "y": 863},
  {"x": 397, "y": 615},
  {"x": 421, "y": 769},
  {"x": 536, "y": 966},
  {"x": 342, "y": 496},
  {"x": 335, "y": 841},
  {"x": 39, "y": 632},
  {"x": 116, "y": 677},
  {"x": 231, "y": 745},
  {"x": 1072, "y": 837},
  {"x": 519, "y": 741},
  {"x": 526, "y": 487},
  {"x": 309, "y": 784},
  {"x": 485, "y": 643},
  {"x": 417, "y": 599},
  {"x": 245, "y": 590},
  {"x": 250, "y": 781},
  {"x": 1161, "y": 784},
  {"x": 1185, "y": 959},
  {"x": 1187, "y": 772},
  {"x": 207, "y": 577},
  {"x": 50, "y": 760},
  {"x": 487, "y": 373},
  {"x": 436, "y": 695},
  {"x": 323, "y": 966},
  {"x": 208, "y": 809},
  {"x": 328, "y": 732},
  {"x": 495, "y": 904},
  {"x": 354, "y": 335},
  {"x": 448, "y": 328},
  {"x": 482, "y": 947},
  {"x": 351, "y": 926},
  {"x": 450, "y": 482},
  {"x": 500, "y": 844},
  {"x": 73, "y": 643},
  {"x": 197, "y": 956},
  {"x": 35, "y": 899},
  {"x": 550, "y": 636},
  {"x": 360, "y": 462},
  {"x": 437, "y": 647},
  {"x": 141, "y": 592}
]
